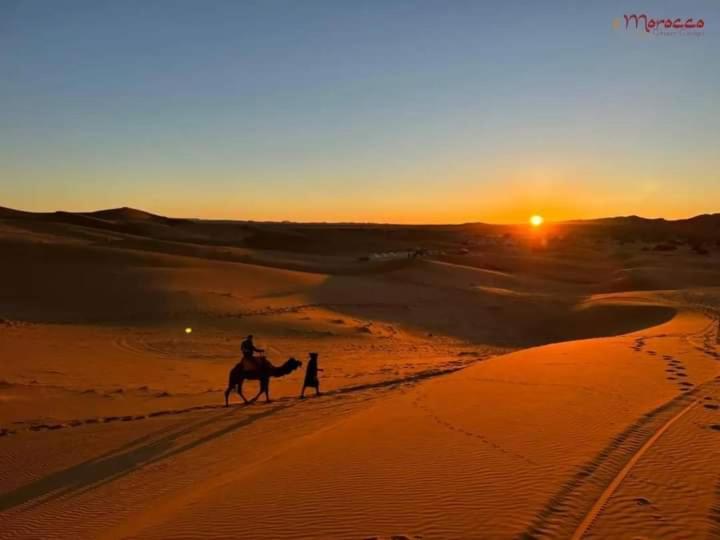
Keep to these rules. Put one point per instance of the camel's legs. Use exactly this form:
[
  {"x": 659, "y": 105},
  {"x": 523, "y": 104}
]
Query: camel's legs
[
  {"x": 240, "y": 385},
  {"x": 266, "y": 389},
  {"x": 254, "y": 398},
  {"x": 227, "y": 393}
]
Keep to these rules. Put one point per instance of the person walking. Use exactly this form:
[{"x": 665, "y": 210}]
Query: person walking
[{"x": 311, "y": 375}]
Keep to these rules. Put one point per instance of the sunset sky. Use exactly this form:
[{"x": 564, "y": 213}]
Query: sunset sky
[{"x": 392, "y": 111}]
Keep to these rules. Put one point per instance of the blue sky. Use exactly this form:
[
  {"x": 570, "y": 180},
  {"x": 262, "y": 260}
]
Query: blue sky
[{"x": 364, "y": 111}]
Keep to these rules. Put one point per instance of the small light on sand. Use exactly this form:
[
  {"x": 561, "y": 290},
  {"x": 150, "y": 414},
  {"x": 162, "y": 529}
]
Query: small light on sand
[
  {"x": 188, "y": 330},
  {"x": 536, "y": 220}
]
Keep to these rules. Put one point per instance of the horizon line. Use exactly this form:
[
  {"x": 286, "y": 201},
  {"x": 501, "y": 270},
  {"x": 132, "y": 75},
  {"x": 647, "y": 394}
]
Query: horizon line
[{"x": 409, "y": 224}]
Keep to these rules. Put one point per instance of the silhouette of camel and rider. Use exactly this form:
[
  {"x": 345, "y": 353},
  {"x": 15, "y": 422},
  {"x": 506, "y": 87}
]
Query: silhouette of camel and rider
[{"x": 259, "y": 368}]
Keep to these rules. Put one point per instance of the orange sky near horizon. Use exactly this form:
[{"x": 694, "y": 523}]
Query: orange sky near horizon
[
  {"x": 358, "y": 112},
  {"x": 500, "y": 195},
  {"x": 511, "y": 198}
]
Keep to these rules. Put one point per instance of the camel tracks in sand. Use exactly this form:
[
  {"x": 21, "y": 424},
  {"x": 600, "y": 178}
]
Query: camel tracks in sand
[
  {"x": 420, "y": 404},
  {"x": 574, "y": 507},
  {"x": 332, "y": 394},
  {"x": 599, "y": 505},
  {"x": 639, "y": 344},
  {"x": 677, "y": 372}
]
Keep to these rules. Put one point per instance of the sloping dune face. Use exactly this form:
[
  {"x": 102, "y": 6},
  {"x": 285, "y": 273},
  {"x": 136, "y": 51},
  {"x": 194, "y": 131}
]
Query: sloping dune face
[
  {"x": 522, "y": 444},
  {"x": 465, "y": 303},
  {"x": 86, "y": 284},
  {"x": 508, "y": 389}
]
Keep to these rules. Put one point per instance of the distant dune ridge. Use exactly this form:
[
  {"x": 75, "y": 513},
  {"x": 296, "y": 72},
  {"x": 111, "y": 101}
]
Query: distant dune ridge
[
  {"x": 480, "y": 381},
  {"x": 351, "y": 236}
]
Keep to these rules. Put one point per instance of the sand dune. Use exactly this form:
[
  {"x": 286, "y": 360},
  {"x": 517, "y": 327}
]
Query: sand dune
[{"x": 514, "y": 391}]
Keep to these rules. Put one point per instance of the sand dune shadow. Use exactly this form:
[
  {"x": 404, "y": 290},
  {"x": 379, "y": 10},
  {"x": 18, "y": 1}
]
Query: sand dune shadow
[{"x": 141, "y": 452}]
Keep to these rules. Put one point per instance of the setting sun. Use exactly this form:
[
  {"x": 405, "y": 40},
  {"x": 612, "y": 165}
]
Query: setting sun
[{"x": 536, "y": 220}]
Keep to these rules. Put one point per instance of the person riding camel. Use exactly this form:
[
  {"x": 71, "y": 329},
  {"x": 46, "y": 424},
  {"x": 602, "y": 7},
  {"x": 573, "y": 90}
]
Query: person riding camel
[{"x": 248, "y": 349}]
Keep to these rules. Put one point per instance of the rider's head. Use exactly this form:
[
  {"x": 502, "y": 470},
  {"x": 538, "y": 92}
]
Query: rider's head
[{"x": 249, "y": 337}]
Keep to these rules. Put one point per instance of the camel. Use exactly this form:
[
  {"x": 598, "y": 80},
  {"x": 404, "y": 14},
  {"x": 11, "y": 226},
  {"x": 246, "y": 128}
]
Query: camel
[{"x": 239, "y": 373}]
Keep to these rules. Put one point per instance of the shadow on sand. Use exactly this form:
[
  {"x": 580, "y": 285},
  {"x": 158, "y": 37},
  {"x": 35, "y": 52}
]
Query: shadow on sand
[{"x": 141, "y": 452}]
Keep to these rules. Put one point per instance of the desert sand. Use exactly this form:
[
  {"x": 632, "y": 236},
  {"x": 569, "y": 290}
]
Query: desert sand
[{"x": 485, "y": 383}]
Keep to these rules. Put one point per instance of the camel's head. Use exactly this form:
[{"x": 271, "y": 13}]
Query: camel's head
[{"x": 293, "y": 363}]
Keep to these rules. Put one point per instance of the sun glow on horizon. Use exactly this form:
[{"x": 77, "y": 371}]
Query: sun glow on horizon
[{"x": 536, "y": 220}]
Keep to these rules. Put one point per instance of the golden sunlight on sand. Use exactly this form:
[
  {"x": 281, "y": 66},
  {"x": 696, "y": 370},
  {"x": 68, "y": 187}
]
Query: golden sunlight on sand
[{"x": 476, "y": 382}]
